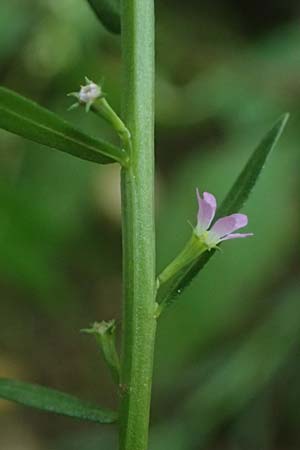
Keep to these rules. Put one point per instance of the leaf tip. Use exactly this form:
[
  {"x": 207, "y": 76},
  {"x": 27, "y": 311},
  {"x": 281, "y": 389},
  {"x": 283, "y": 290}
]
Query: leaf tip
[{"x": 282, "y": 121}]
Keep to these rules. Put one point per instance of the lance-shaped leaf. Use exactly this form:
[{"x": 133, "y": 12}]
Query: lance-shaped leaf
[
  {"x": 25, "y": 118},
  {"x": 53, "y": 401},
  {"x": 233, "y": 202},
  {"x": 108, "y": 12}
]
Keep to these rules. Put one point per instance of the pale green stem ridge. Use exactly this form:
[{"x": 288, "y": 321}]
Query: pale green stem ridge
[{"x": 139, "y": 323}]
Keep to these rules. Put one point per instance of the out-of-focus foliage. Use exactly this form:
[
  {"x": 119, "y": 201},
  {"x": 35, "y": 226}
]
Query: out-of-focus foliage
[
  {"x": 227, "y": 365},
  {"x": 108, "y": 12}
]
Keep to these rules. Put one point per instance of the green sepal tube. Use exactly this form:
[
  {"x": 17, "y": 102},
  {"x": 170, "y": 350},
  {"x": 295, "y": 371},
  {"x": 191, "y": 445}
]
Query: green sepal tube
[
  {"x": 171, "y": 276},
  {"x": 192, "y": 250},
  {"x": 105, "y": 334},
  {"x": 102, "y": 108},
  {"x": 92, "y": 98}
]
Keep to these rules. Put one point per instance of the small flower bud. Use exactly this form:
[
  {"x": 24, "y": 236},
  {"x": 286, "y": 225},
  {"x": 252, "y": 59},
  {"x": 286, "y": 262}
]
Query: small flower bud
[{"x": 87, "y": 95}]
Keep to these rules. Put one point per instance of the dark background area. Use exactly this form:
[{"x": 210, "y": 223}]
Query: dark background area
[{"x": 227, "y": 363}]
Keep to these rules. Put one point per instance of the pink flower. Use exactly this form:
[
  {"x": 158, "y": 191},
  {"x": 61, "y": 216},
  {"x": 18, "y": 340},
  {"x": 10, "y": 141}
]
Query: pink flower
[{"x": 222, "y": 229}]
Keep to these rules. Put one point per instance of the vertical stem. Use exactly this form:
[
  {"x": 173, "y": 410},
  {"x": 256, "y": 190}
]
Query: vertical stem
[{"x": 139, "y": 323}]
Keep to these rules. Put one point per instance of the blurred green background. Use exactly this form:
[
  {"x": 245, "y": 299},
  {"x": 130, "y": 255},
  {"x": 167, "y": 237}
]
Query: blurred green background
[{"x": 227, "y": 365}]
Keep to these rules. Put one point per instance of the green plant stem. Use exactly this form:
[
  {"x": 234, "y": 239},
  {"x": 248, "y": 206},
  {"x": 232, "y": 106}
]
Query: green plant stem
[{"x": 139, "y": 323}]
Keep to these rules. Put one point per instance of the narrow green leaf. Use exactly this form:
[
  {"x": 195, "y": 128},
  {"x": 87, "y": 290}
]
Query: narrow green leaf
[
  {"x": 108, "y": 12},
  {"x": 25, "y": 118},
  {"x": 241, "y": 189},
  {"x": 233, "y": 202},
  {"x": 53, "y": 401}
]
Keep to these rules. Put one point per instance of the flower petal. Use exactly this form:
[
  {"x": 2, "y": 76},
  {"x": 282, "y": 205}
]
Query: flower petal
[
  {"x": 236, "y": 235},
  {"x": 228, "y": 224},
  {"x": 206, "y": 211}
]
